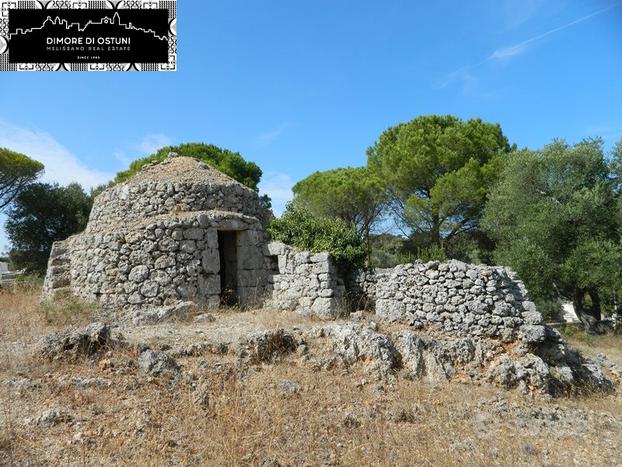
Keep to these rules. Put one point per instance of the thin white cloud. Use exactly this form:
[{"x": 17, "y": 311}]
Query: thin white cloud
[
  {"x": 508, "y": 52},
  {"x": 60, "y": 164},
  {"x": 517, "y": 49},
  {"x": 505, "y": 53},
  {"x": 278, "y": 186},
  {"x": 517, "y": 12},
  {"x": 272, "y": 135}
]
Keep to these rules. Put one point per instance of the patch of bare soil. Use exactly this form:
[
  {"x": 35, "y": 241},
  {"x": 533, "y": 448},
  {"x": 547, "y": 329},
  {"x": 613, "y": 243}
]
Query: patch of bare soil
[{"x": 301, "y": 409}]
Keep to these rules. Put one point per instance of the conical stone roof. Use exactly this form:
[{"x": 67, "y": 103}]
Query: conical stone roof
[
  {"x": 179, "y": 169},
  {"x": 175, "y": 186}
]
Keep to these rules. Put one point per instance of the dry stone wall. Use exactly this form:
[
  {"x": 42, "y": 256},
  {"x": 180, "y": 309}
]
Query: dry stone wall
[
  {"x": 175, "y": 185},
  {"x": 361, "y": 287},
  {"x": 474, "y": 323},
  {"x": 461, "y": 299},
  {"x": 129, "y": 203},
  {"x": 307, "y": 283}
]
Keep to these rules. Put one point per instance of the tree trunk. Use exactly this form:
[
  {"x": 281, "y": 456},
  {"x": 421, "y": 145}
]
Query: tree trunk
[
  {"x": 435, "y": 234},
  {"x": 589, "y": 316},
  {"x": 595, "y": 310}
]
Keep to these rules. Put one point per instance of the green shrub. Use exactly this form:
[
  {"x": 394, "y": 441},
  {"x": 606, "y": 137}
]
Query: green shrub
[
  {"x": 301, "y": 229},
  {"x": 432, "y": 253},
  {"x": 228, "y": 162},
  {"x": 550, "y": 309},
  {"x": 29, "y": 281}
]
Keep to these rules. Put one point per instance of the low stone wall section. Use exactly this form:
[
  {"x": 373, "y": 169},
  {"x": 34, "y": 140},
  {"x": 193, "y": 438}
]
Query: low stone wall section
[
  {"x": 460, "y": 299},
  {"x": 361, "y": 288},
  {"x": 175, "y": 185},
  {"x": 307, "y": 283}
]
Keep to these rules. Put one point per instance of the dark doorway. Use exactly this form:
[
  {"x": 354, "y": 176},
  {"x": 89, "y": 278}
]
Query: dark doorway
[{"x": 228, "y": 250}]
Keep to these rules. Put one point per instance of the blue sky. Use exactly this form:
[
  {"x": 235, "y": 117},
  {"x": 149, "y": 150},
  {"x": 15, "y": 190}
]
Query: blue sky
[{"x": 309, "y": 85}]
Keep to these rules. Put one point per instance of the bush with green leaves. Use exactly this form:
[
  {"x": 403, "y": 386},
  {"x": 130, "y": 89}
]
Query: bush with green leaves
[
  {"x": 356, "y": 195},
  {"x": 228, "y": 162},
  {"x": 301, "y": 229}
]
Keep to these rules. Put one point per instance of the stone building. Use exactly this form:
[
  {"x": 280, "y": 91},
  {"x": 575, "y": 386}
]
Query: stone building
[
  {"x": 180, "y": 231},
  {"x": 177, "y": 231}
]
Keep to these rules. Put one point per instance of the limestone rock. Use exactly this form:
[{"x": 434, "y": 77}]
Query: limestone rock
[
  {"x": 164, "y": 313},
  {"x": 87, "y": 342},
  {"x": 50, "y": 417},
  {"x": 355, "y": 342},
  {"x": 267, "y": 346},
  {"x": 156, "y": 363},
  {"x": 289, "y": 388}
]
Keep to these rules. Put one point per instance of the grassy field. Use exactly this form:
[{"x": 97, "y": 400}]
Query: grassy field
[{"x": 219, "y": 412}]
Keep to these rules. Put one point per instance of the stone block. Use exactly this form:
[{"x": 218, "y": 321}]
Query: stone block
[
  {"x": 149, "y": 289},
  {"x": 250, "y": 258},
  {"x": 325, "y": 308},
  {"x": 209, "y": 285},
  {"x": 139, "y": 273},
  {"x": 323, "y": 257},
  {"x": 276, "y": 248},
  {"x": 210, "y": 260},
  {"x": 193, "y": 234},
  {"x": 187, "y": 246}
]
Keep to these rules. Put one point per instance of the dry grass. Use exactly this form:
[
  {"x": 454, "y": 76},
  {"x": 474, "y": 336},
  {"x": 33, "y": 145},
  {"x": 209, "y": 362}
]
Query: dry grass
[
  {"x": 609, "y": 344},
  {"x": 338, "y": 416}
]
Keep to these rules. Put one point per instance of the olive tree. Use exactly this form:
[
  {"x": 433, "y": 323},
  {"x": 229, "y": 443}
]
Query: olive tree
[{"x": 552, "y": 217}]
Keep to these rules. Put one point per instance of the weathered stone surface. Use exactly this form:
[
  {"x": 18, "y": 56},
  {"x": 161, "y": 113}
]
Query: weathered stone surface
[
  {"x": 51, "y": 417},
  {"x": 306, "y": 283},
  {"x": 72, "y": 343},
  {"x": 138, "y": 273},
  {"x": 289, "y": 388},
  {"x": 164, "y": 313},
  {"x": 431, "y": 359},
  {"x": 156, "y": 363},
  {"x": 355, "y": 342},
  {"x": 457, "y": 298},
  {"x": 267, "y": 346},
  {"x": 443, "y": 357},
  {"x": 533, "y": 334}
]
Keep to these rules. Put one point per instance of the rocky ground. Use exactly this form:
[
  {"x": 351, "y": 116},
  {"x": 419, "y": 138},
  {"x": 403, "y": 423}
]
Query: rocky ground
[{"x": 268, "y": 388}]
